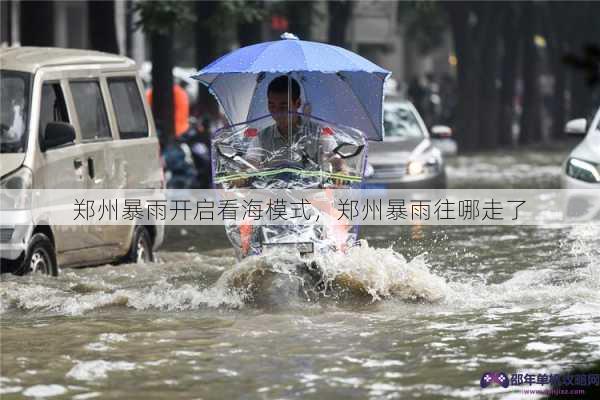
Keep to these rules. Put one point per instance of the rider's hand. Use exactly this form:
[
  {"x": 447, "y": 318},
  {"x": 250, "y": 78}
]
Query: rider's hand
[
  {"x": 240, "y": 182},
  {"x": 340, "y": 169},
  {"x": 337, "y": 182}
]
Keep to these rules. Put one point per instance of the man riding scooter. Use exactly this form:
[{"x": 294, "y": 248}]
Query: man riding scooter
[
  {"x": 293, "y": 142},
  {"x": 294, "y": 138}
]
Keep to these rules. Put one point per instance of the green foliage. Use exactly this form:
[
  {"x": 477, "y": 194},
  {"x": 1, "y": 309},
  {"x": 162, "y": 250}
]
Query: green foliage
[
  {"x": 162, "y": 16},
  {"x": 229, "y": 13},
  {"x": 159, "y": 17},
  {"x": 241, "y": 11},
  {"x": 425, "y": 23}
]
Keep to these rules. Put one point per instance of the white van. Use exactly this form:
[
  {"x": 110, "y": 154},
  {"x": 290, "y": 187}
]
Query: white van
[{"x": 74, "y": 119}]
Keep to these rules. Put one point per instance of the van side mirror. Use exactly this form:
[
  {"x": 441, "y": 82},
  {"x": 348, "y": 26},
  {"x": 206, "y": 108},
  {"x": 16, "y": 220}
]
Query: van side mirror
[
  {"x": 57, "y": 134},
  {"x": 441, "y": 132},
  {"x": 576, "y": 127}
]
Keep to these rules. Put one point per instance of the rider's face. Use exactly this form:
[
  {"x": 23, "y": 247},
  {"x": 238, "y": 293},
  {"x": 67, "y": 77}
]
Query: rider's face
[{"x": 278, "y": 107}]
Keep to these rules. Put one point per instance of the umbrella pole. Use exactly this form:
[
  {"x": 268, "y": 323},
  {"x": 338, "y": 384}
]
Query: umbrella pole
[{"x": 290, "y": 120}]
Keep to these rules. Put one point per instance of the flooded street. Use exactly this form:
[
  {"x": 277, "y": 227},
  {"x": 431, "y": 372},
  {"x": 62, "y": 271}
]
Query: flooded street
[{"x": 441, "y": 306}]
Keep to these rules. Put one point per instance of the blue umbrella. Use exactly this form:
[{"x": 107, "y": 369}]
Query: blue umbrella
[{"x": 340, "y": 86}]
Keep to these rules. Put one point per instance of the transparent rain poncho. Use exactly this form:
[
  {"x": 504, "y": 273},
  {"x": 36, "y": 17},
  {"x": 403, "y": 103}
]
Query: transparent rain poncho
[
  {"x": 338, "y": 107},
  {"x": 312, "y": 155}
]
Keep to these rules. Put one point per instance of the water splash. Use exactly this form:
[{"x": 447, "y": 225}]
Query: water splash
[
  {"x": 140, "y": 287},
  {"x": 363, "y": 274},
  {"x": 585, "y": 247},
  {"x": 383, "y": 274}
]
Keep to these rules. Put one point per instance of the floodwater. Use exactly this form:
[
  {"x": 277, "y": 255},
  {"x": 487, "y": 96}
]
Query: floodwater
[{"x": 436, "y": 307}]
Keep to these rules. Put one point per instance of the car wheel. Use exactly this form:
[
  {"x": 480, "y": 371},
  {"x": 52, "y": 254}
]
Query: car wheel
[
  {"x": 141, "y": 247},
  {"x": 40, "y": 257}
]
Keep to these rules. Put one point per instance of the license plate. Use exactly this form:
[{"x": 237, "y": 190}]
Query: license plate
[{"x": 301, "y": 247}]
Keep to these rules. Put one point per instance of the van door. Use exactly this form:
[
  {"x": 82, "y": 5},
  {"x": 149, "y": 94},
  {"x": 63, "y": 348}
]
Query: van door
[
  {"x": 58, "y": 168},
  {"x": 134, "y": 158},
  {"x": 95, "y": 134}
]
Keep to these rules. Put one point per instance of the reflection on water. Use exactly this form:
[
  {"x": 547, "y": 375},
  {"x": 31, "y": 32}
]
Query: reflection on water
[
  {"x": 519, "y": 169},
  {"x": 416, "y": 312}
]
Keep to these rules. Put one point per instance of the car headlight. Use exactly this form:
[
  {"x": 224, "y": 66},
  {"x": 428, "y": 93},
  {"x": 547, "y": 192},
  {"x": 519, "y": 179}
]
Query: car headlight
[
  {"x": 419, "y": 167},
  {"x": 16, "y": 189},
  {"x": 583, "y": 170},
  {"x": 415, "y": 167}
]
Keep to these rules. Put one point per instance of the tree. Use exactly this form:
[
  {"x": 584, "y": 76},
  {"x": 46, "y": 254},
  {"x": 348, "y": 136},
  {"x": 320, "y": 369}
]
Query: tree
[
  {"x": 488, "y": 94},
  {"x": 6, "y": 22},
  {"x": 425, "y": 23},
  {"x": 249, "y": 25},
  {"x": 509, "y": 65},
  {"x": 300, "y": 15},
  {"x": 554, "y": 15},
  {"x": 340, "y": 12},
  {"x": 103, "y": 34},
  {"x": 530, "y": 119},
  {"x": 158, "y": 19},
  {"x": 466, "y": 38},
  {"x": 582, "y": 32},
  {"x": 485, "y": 40},
  {"x": 37, "y": 23},
  {"x": 206, "y": 49},
  {"x": 211, "y": 18}
]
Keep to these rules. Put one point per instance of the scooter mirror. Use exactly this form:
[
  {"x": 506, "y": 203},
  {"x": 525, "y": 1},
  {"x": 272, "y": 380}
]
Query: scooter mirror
[
  {"x": 227, "y": 151},
  {"x": 348, "y": 150}
]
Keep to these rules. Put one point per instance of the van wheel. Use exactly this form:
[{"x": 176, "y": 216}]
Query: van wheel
[
  {"x": 40, "y": 258},
  {"x": 141, "y": 247}
]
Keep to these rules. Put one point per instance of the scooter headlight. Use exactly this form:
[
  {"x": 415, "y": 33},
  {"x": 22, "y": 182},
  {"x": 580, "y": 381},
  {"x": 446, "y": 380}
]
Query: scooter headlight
[{"x": 583, "y": 170}]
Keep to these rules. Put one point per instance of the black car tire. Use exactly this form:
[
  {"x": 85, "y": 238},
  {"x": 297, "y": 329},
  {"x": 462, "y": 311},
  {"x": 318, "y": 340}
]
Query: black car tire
[
  {"x": 40, "y": 257},
  {"x": 141, "y": 247}
]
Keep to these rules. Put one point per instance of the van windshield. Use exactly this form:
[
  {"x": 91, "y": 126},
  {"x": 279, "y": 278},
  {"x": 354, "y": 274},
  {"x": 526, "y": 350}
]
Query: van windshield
[{"x": 14, "y": 111}]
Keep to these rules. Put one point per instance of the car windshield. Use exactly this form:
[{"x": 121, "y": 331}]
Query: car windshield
[
  {"x": 14, "y": 89},
  {"x": 401, "y": 123}
]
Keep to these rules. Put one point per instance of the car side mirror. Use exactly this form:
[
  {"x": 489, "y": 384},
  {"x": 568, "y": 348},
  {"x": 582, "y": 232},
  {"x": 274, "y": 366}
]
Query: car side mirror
[
  {"x": 441, "y": 132},
  {"x": 576, "y": 127},
  {"x": 57, "y": 134}
]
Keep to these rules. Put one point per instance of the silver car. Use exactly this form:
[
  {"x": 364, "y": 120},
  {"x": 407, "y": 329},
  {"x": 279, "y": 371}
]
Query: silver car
[
  {"x": 407, "y": 156},
  {"x": 581, "y": 170}
]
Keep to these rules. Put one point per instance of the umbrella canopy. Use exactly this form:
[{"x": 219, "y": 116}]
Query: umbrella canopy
[{"x": 340, "y": 86}]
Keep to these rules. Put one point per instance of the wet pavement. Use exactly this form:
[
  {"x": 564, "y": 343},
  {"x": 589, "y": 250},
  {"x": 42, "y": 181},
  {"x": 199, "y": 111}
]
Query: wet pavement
[{"x": 436, "y": 307}]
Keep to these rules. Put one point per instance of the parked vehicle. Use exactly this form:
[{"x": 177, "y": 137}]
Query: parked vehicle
[
  {"x": 582, "y": 168},
  {"x": 407, "y": 157},
  {"x": 74, "y": 119}
]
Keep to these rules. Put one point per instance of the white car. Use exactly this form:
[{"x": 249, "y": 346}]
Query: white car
[{"x": 581, "y": 170}]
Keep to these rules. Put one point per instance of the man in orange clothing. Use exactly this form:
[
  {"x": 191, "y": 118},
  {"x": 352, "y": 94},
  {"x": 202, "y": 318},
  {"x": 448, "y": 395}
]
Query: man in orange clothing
[{"x": 181, "y": 104}]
